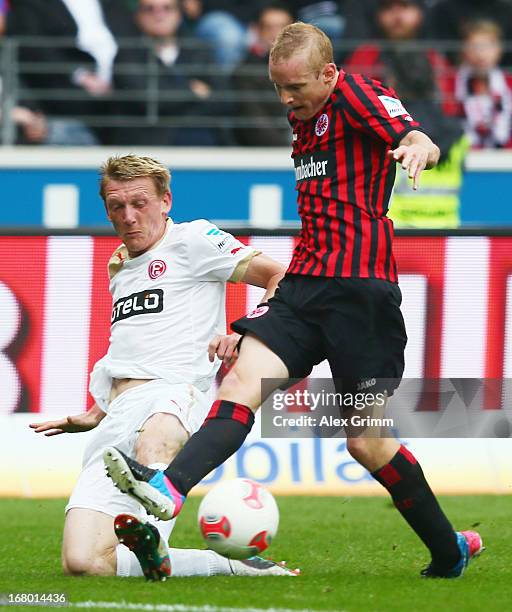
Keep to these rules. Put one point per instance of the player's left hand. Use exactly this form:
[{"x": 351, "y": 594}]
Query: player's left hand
[
  {"x": 412, "y": 158},
  {"x": 225, "y": 348},
  {"x": 71, "y": 424}
]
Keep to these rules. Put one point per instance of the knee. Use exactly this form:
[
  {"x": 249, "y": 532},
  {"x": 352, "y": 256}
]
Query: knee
[
  {"x": 239, "y": 386},
  {"x": 372, "y": 453},
  {"x": 161, "y": 439},
  {"x": 359, "y": 449},
  {"x": 77, "y": 564},
  {"x": 232, "y": 382}
]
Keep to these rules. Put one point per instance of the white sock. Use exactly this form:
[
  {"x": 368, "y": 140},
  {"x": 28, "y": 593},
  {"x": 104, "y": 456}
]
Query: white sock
[
  {"x": 191, "y": 562},
  {"x": 127, "y": 563},
  {"x": 184, "y": 562}
]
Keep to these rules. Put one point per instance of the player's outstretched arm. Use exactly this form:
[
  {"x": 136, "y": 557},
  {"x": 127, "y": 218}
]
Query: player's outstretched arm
[
  {"x": 71, "y": 424},
  {"x": 263, "y": 271},
  {"x": 416, "y": 152}
]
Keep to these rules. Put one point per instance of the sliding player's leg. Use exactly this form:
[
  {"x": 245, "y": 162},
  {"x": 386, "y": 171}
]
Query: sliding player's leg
[
  {"x": 278, "y": 345},
  {"x": 107, "y": 532},
  {"x": 226, "y": 426},
  {"x": 89, "y": 544}
]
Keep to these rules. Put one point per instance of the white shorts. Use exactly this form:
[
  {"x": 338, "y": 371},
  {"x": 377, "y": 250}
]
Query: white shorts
[{"x": 126, "y": 415}]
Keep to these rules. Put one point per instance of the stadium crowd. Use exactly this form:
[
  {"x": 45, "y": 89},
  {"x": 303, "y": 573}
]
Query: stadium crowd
[{"x": 194, "y": 72}]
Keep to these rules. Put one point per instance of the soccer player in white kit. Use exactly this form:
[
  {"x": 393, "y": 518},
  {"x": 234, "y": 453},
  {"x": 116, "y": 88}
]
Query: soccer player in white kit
[{"x": 168, "y": 284}]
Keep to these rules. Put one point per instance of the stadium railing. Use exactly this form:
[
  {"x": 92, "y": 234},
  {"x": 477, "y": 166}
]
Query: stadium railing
[{"x": 14, "y": 92}]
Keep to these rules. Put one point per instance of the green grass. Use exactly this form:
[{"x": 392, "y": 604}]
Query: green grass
[{"x": 355, "y": 553}]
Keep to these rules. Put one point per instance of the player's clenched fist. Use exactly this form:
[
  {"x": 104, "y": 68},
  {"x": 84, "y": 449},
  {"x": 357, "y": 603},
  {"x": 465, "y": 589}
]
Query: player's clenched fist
[
  {"x": 224, "y": 347},
  {"x": 71, "y": 424}
]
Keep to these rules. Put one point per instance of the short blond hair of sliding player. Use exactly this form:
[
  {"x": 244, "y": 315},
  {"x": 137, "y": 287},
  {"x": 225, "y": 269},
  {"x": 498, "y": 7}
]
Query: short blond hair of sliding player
[{"x": 128, "y": 167}]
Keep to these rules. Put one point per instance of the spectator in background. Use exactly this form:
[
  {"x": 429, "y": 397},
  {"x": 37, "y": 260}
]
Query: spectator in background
[
  {"x": 482, "y": 88},
  {"x": 324, "y": 14},
  {"x": 86, "y": 70},
  {"x": 258, "y": 103},
  {"x": 399, "y": 61},
  {"x": 448, "y": 19},
  {"x": 3, "y": 13},
  {"x": 223, "y": 25},
  {"x": 423, "y": 81},
  {"x": 29, "y": 123},
  {"x": 164, "y": 81}
]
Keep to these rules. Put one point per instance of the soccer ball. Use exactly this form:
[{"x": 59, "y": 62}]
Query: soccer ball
[{"x": 238, "y": 518}]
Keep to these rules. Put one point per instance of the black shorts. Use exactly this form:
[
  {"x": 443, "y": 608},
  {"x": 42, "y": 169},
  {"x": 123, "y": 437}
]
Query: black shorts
[{"x": 354, "y": 323}]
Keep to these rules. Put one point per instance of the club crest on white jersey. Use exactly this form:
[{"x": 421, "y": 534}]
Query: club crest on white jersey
[{"x": 156, "y": 268}]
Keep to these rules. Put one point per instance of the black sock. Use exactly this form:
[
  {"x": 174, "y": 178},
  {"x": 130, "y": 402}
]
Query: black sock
[
  {"x": 222, "y": 434},
  {"x": 414, "y": 499}
]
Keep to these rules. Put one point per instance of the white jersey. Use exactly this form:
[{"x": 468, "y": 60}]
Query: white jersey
[{"x": 168, "y": 303}]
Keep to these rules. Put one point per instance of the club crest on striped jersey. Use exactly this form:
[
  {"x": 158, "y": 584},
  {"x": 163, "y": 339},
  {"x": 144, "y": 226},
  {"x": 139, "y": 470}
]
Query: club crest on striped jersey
[
  {"x": 322, "y": 124},
  {"x": 156, "y": 268}
]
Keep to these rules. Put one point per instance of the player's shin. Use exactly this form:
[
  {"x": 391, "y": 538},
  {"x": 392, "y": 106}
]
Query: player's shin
[
  {"x": 414, "y": 499},
  {"x": 222, "y": 434}
]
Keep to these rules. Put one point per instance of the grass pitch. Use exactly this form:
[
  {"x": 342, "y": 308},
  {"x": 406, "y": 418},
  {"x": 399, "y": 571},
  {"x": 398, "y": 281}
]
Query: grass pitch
[{"x": 355, "y": 553}]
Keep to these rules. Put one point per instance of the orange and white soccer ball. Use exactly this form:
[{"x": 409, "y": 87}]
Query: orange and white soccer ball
[{"x": 238, "y": 518}]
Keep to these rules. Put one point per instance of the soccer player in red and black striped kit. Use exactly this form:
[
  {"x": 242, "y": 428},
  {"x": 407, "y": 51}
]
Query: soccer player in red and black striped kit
[{"x": 339, "y": 299}]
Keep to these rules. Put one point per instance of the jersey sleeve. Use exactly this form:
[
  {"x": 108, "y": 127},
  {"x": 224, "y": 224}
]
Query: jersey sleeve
[
  {"x": 216, "y": 255},
  {"x": 376, "y": 110}
]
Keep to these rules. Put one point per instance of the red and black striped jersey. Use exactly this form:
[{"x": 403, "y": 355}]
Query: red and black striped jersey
[{"x": 344, "y": 180}]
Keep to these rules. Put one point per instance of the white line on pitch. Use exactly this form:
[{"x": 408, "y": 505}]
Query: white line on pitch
[{"x": 122, "y": 605}]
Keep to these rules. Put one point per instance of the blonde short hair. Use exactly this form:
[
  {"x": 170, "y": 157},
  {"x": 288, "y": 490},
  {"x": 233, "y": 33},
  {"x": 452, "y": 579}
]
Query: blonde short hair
[
  {"x": 128, "y": 167},
  {"x": 298, "y": 37},
  {"x": 483, "y": 26}
]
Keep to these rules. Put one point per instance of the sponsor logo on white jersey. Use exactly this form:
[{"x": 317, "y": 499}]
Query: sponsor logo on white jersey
[
  {"x": 394, "y": 106},
  {"x": 222, "y": 240},
  {"x": 142, "y": 302}
]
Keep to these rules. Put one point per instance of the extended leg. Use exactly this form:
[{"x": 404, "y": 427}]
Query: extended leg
[{"x": 223, "y": 432}]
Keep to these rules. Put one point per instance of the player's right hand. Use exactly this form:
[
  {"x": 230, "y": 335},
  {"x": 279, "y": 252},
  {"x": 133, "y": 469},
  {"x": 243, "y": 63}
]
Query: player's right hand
[
  {"x": 225, "y": 348},
  {"x": 71, "y": 424}
]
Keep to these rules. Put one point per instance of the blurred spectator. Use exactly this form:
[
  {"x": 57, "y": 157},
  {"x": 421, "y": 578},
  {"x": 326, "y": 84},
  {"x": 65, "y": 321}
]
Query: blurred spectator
[
  {"x": 164, "y": 80},
  {"x": 3, "y": 13},
  {"x": 422, "y": 78},
  {"x": 483, "y": 88},
  {"x": 448, "y": 19},
  {"x": 259, "y": 102},
  {"x": 223, "y": 25},
  {"x": 325, "y": 14},
  {"x": 85, "y": 75},
  {"x": 30, "y": 124},
  {"x": 410, "y": 68}
]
